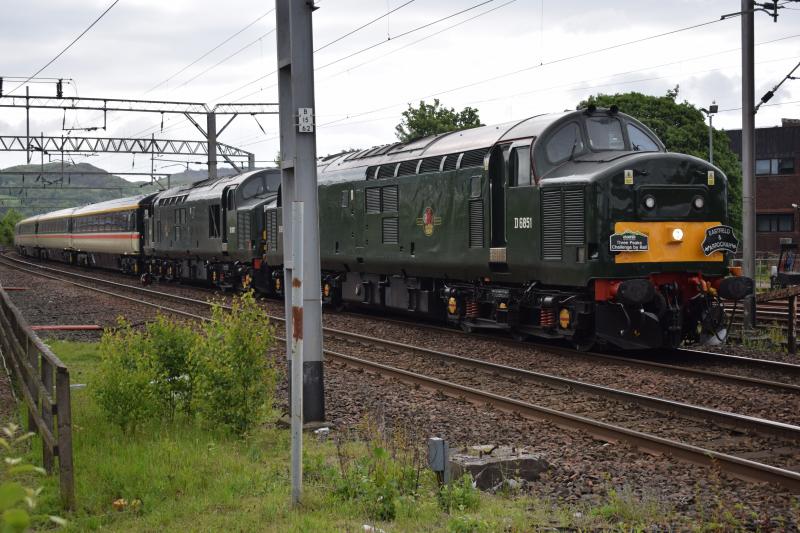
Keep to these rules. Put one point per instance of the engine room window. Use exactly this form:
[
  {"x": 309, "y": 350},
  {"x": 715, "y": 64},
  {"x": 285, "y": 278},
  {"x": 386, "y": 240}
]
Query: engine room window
[
  {"x": 605, "y": 133},
  {"x": 565, "y": 142},
  {"x": 519, "y": 163},
  {"x": 640, "y": 141}
]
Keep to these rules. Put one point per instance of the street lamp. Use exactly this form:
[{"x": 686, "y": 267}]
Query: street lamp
[{"x": 710, "y": 112}]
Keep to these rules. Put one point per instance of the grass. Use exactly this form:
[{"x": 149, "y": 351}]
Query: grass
[{"x": 181, "y": 477}]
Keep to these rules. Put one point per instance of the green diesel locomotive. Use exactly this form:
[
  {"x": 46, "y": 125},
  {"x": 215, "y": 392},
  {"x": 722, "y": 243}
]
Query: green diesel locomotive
[{"x": 576, "y": 225}]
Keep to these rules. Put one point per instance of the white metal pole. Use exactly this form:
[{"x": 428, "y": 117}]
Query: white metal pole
[{"x": 297, "y": 352}]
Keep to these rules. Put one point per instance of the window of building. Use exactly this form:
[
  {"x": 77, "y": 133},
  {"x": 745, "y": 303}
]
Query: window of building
[
  {"x": 767, "y": 167},
  {"x": 770, "y": 223}
]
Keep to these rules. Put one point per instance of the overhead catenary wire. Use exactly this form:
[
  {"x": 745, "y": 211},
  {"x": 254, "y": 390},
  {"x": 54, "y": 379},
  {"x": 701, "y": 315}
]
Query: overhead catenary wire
[
  {"x": 362, "y": 50},
  {"x": 373, "y": 21},
  {"x": 63, "y": 51},
  {"x": 209, "y": 52}
]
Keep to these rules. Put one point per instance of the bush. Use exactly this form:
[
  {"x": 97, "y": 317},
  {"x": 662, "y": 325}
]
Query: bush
[
  {"x": 234, "y": 382},
  {"x": 377, "y": 481},
  {"x": 17, "y": 501},
  {"x": 459, "y": 494},
  {"x": 125, "y": 388},
  {"x": 167, "y": 346}
]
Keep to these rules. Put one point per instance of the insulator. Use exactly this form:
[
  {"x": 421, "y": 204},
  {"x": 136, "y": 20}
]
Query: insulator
[{"x": 472, "y": 309}]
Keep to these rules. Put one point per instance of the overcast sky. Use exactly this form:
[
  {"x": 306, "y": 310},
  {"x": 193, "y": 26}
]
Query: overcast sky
[{"x": 462, "y": 60}]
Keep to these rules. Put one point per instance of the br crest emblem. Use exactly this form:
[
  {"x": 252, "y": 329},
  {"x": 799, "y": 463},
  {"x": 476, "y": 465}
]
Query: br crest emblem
[{"x": 428, "y": 221}]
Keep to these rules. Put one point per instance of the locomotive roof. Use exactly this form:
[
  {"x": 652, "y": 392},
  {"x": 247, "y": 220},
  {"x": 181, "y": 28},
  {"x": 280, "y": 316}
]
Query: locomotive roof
[
  {"x": 211, "y": 188},
  {"x": 352, "y": 165}
]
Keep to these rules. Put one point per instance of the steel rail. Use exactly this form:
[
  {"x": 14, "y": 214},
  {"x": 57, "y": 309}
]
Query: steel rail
[
  {"x": 736, "y": 466},
  {"x": 723, "y": 418},
  {"x": 627, "y": 361}
]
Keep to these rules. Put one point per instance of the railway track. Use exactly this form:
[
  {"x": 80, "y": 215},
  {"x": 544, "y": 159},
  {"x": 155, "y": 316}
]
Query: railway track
[
  {"x": 648, "y": 360},
  {"x": 606, "y": 411}
]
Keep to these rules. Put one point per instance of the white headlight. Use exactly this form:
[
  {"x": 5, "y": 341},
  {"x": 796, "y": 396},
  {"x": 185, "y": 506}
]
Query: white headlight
[
  {"x": 677, "y": 234},
  {"x": 699, "y": 202},
  {"x": 649, "y": 202}
]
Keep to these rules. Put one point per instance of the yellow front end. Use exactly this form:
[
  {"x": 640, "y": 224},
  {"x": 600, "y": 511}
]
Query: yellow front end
[{"x": 669, "y": 242}]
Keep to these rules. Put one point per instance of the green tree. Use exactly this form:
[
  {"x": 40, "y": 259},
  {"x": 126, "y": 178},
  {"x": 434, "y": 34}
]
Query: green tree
[
  {"x": 682, "y": 127},
  {"x": 7, "y": 224},
  {"x": 430, "y": 119}
]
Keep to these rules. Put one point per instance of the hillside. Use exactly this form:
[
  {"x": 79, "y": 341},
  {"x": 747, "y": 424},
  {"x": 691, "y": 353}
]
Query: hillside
[{"x": 81, "y": 184}]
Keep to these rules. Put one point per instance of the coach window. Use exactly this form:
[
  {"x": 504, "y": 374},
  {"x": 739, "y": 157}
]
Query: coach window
[{"x": 519, "y": 166}]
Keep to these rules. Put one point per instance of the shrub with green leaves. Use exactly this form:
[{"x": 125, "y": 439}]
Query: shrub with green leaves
[
  {"x": 167, "y": 345},
  {"x": 17, "y": 501},
  {"x": 459, "y": 494},
  {"x": 124, "y": 386},
  {"x": 234, "y": 381}
]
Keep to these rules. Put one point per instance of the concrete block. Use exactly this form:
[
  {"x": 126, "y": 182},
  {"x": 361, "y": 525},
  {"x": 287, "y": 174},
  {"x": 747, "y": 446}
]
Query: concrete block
[{"x": 490, "y": 466}]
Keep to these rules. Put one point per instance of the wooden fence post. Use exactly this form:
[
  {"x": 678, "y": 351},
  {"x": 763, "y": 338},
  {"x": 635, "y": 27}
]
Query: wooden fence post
[
  {"x": 792, "y": 335},
  {"x": 47, "y": 412},
  {"x": 65, "y": 474}
]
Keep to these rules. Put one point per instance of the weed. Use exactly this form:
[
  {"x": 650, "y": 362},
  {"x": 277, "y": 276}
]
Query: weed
[
  {"x": 467, "y": 524},
  {"x": 459, "y": 494}
]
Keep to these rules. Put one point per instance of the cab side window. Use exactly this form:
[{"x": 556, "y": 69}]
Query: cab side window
[
  {"x": 564, "y": 143},
  {"x": 640, "y": 141},
  {"x": 519, "y": 166}
]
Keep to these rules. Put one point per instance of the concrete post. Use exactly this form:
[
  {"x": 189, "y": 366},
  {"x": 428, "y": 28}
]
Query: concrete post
[
  {"x": 299, "y": 184},
  {"x": 748, "y": 159}
]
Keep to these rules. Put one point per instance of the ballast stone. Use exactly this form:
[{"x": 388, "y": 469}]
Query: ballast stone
[{"x": 490, "y": 465}]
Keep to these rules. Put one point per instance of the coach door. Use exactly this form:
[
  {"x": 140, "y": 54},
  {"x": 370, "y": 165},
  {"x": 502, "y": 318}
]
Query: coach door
[{"x": 497, "y": 192}]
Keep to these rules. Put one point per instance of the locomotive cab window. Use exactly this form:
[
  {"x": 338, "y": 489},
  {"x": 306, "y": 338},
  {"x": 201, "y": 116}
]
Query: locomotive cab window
[
  {"x": 640, "y": 141},
  {"x": 519, "y": 166},
  {"x": 565, "y": 143},
  {"x": 605, "y": 133}
]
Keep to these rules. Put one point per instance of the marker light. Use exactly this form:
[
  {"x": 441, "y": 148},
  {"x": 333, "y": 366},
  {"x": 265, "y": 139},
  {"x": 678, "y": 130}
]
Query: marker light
[
  {"x": 677, "y": 234},
  {"x": 699, "y": 202},
  {"x": 649, "y": 202}
]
